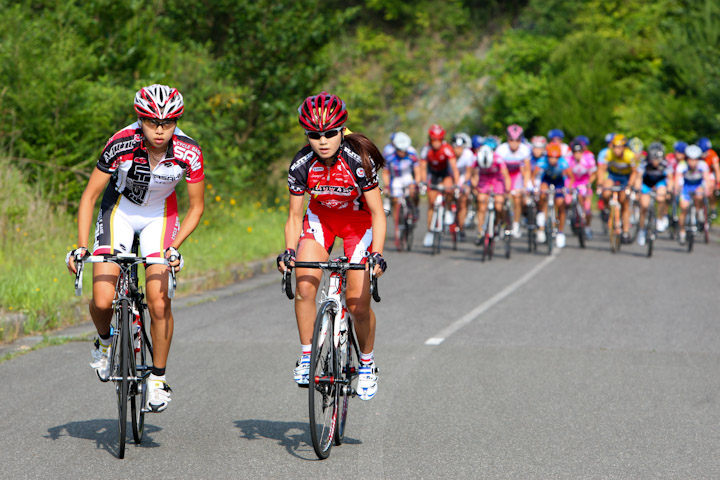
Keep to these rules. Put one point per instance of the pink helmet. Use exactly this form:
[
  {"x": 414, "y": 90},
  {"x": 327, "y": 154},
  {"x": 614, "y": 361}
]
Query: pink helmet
[
  {"x": 322, "y": 112},
  {"x": 514, "y": 132},
  {"x": 159, "y": 101},
  {"x": 436, "y": 132}
]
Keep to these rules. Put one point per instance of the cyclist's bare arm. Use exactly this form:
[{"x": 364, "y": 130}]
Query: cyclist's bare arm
[
  {"x": 96, "y": 185},
  {"x": 455, "y": 171},
  {"x": 379, "y": 223},
  {"x": 293, "y": 225},
  {"x": 196, "y": 207},
  {"x": 423, "y": 171}
]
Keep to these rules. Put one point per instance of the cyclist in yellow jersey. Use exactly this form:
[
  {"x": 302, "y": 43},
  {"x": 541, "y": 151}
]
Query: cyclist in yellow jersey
[{"x": 620, "y": 164}]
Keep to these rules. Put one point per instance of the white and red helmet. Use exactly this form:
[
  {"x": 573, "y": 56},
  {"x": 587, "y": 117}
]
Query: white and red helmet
[{"x": 159, "y": 101}]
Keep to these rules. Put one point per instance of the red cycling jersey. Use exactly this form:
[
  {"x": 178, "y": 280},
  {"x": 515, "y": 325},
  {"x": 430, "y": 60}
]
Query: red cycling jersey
[
  {"x": 439, "y": 160},
  {"x": 337, "y": 188}
]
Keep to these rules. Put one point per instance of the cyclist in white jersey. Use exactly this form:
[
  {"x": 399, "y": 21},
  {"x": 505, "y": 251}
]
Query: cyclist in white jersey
[
  {"x": 516, "y": 157},
  {"x": 145, "y": 161},
  {"x": 462, "y": 146}
]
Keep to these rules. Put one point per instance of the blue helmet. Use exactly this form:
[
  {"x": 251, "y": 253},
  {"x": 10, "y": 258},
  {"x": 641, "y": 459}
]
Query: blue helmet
[
  {"x": 704, "y": 144},
  {"x": 584, "y": 139},
  {"x": 477, "y": 141},
  {"x": 555, "y": 132},
  {"x": 680, "y": 146},
  {"x": 491, "y": 142},
  {"x": 609, "y": 137}
]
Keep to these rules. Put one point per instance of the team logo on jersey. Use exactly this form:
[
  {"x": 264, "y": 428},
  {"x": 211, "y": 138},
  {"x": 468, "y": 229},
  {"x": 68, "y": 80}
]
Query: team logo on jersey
[
  {"x": 334, "y": 204},
  {"x": 318, "y": 169},
  {"x": 360, "y": 172}
]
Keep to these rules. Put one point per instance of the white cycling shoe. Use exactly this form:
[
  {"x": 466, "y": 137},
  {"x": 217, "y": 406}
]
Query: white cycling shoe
[
  {"x": 158, "y": 394},
  {"x": 516, "y": 233},
  {"x": 540, "y": 236},
  {"x": 367, "y": 381},
  {"x": 560, "y": 240},
  {"x": 428, "y": 240},
  {"x": 301, "y": 373},
  {"x": 101, "y": 360}
]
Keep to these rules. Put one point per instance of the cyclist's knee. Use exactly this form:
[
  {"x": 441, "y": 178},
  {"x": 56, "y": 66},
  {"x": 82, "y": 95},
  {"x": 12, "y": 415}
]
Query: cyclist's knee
[
  {"x": 306, "y": 291},
  {"x": 359, "y": 310},
  {"x": 159, "y": 308},
  {"x": 101, "y": 303}
]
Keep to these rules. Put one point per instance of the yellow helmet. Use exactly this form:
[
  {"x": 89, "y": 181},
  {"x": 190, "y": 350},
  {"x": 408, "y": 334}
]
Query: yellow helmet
[{"x": 619, "y": 140}]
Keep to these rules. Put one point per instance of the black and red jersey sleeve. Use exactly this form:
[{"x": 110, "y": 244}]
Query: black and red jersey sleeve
[
  {"x": 365, "y": 180},
  {"x": 120, "y": 144},
  {"x": 299, "y": 169}
]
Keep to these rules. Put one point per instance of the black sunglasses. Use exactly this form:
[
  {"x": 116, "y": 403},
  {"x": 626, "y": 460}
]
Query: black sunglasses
[
  {"x": 326, "y": 133},
  {"x": 155, "y": 122}
]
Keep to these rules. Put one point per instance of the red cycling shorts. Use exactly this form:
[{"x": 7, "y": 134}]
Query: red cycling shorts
[{"x": 354, "y": 230}]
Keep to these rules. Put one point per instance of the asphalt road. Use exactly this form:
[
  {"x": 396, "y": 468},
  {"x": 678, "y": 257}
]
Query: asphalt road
[{"x": 585, "y": 364}]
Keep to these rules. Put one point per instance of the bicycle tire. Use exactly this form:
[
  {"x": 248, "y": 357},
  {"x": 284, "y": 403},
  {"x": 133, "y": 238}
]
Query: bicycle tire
[
  {"x": 580, "y": 225},
  {"x": 706, "y": 221},
  {"x": 650, "y": 229},
  {"x": 507, "y": 239},
  {"x": 121, "y": 385},
  {"x": 139, "y": 390},
  {"x": 613, "y": 234},
  {"x": 531, "y": 228},
  {"x": 409, "y": 230},
  {"x": 634, "y": 220},
  {"x": 348, "y": 359},
  {"x": 550, "y": 228},
  {"x": 323, "y": 396}
]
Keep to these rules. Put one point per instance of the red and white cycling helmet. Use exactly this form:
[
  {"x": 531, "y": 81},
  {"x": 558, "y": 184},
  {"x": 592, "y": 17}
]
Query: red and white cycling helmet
[
  {"x": 485, "y": 157},
  {"x": 538, "y": 141},
  {"x": 514, "y": 132},
  {"x": 436, "y": 132},
  {"x": 159, "y": 101},
  {"x": 322, "y": 112}
]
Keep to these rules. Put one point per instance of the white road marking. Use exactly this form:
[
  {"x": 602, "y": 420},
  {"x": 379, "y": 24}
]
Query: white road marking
[{"x": 489, "y": 303}]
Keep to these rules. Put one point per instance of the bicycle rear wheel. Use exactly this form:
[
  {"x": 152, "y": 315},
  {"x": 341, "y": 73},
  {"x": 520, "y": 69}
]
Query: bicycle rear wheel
[
  {"x": 580, "y": 216},
  {"x": 122, "y": 371},
  {"x": 650, "y": 229},
  {"x": 323, "y": 392}
]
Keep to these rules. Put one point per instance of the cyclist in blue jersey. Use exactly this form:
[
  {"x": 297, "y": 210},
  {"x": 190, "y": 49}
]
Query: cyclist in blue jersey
[
  {"x": 403, "y": 170},
  {"x": 553, "y": 171}
]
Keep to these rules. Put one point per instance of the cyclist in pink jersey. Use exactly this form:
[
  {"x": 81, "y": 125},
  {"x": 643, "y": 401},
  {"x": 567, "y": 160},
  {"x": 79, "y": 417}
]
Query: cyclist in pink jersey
[
  {"x": 488, "y": 173},
  {"x": 582, "y": 164},
  {"x": 145, "y": 161},
  {"x": 516, "y": 157}
]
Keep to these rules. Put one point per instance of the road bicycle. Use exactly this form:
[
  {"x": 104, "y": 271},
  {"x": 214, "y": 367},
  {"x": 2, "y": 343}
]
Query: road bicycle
[
  {"x": 651, "y": 223},
  {"x": 531, "y": 209},
  {"x": 634, "y": 215},
  {"x": 131, "y": 345},
  {"x": 406, "y": 222},
  {"x": 551, "y": 227},
  {"x": 614, "y": 222},
  {"x": 334, "y": 354},
  {"x": 578, "y": 220},
  {"x": 493, "y": 228},
  {"x": 439, "y": 222}
]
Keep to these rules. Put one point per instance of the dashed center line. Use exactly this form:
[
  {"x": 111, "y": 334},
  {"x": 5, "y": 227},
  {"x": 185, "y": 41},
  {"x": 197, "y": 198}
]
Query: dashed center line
[{"x": 488, "y": 304}]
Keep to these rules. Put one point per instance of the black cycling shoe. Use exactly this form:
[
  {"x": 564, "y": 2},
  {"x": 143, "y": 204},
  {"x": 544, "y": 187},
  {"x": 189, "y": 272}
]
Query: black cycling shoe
[{"x": 625, "y": 238}]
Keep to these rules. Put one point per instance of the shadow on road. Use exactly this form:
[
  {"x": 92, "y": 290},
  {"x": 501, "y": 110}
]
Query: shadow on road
[
  {"x": 294, "y": 436},
  {"x": 103, "y": 432}
]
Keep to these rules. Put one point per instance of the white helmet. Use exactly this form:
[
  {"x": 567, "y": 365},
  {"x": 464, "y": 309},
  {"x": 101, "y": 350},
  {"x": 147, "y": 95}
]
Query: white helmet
[
  {"x": 693, "y": 151},
  {"x": 159, "y": 101},
  {"x": 485, "y": 157},
  {"x": 461, "y": 140},
  {"x": 401, "y": 141}
]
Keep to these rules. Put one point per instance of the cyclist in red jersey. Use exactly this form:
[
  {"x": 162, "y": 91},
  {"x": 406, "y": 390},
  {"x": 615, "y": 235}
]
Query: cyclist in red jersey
[
  {"x": 438, "y": 166},
  {"x": 145, "y": 160},
  {"x": 340, "y": 172}
]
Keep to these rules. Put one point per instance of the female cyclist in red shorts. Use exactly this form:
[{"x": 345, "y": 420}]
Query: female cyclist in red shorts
[
  {"x": 145, "y": 160},
  {"x": 340, "y": 172}
]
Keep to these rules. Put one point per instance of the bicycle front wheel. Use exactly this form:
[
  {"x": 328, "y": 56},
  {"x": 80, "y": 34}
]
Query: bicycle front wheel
[
  {"x": 348, "y": 356},
  {"x": 122, "y": 372},
  {"x": 323, "y": 392},
  {"x": 138, "y": 387}
]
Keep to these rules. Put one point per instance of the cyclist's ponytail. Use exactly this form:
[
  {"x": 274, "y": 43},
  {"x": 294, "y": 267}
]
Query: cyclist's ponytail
[{"x": 369, "y": 153}]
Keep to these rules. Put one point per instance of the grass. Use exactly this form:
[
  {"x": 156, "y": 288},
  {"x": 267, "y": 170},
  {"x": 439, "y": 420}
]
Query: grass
[{"x": 35, "y": 236}]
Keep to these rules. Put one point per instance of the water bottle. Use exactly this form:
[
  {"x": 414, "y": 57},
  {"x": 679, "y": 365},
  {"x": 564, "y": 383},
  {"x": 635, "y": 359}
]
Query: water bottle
[{"x": 136, "y": 330}]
